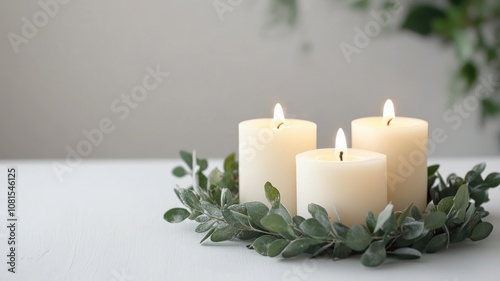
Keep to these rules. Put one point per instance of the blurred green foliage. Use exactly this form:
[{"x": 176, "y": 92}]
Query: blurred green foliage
[{"x": 471, "y": 27}]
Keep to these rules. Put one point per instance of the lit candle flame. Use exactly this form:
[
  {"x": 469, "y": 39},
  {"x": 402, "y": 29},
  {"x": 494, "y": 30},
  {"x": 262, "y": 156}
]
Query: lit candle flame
[
  {"x": 389, "y": 114},
  {"x": 279, "y": 117},
  {"x": 340, "y": 144}
]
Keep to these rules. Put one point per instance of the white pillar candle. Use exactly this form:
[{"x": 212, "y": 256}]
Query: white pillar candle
[
  {"x": 352, "y": 186},
  {"x": 267, "y": 150},
  {"x": 404, "y": 141}
]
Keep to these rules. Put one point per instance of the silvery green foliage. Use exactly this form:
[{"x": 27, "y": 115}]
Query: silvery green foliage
[{"x": 454, "y": 214}]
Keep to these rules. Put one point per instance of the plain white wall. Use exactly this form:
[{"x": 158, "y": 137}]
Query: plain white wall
[{"x": 67, "y": 76}]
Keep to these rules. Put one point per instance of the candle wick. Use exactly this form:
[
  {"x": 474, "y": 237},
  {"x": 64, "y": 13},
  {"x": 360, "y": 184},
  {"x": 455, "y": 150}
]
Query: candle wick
[
  {"x": 279, "y": 125},
  {"x": 341, "y": 155},
  {"x": 389, "y": 122}
]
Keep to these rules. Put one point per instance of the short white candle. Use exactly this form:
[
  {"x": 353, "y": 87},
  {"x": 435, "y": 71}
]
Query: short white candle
[
  {"x": 404, "y": 141},
  {"x": 353, "y": 186},
  {"x": 267, "y": 150}
]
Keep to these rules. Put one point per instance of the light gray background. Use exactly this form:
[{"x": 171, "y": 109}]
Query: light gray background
[{"x": 221, "y": 72}]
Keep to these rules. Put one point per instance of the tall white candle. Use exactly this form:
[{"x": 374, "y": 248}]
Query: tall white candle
[
  {"x": 353, "y": 186},
  {"x": 404, "y": 141},
  {"x": 267, "y": 150}
]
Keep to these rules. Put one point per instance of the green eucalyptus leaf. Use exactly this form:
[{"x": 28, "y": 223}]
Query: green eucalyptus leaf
[
  {"x": 371, "y": 221},
  {"x": 211, "y": 209},
  {"x": 457, "y": 183},
  {"x": 431, "y": 170},
  {"x": 437, "y": 243},
  {"x": 243, "y": 219},
  {"x": 442, "y": 184},
  {"x": 224, "y": 234},
  {"x": 190, "y": 199},
  {"x": 256, "y": 211},
  {"x": 358, "y": 238},
  {"x": 479, "y": 196},
  {"x": 179, "y": 171},
  {"x": 430, "y": 181},
  {"x": 204, "y": 227},
  {"x": 474, "y": 221},
  {"x": 473, "y": 178},
  {"x": 401, "y": 242},
  {"x": 238, "y": 208},
  {"x": 470, "y": 212},
  {"x": 492, "y": 180},
  {"x": 187, "y": 157},
  {"x": 461, "y": 200},
  {"x": 176, "y": 215},
  {"x": 445, "y": 204},
  {"x": 277, "y": 224},
  {"x": 230, "y": 219},
  {"x": 404, "y": 214},
  {"x": 422, "y": 242},
  {"x": 248, "y": 235},
  {"x": 283, "y": 212},
  {"x": 384, "y": 216},
  {"x": 435, "y": 196},
  {"x": 209, "y": 233},
  {"x": 454, "y": 182},
  {"x": 457, "y": 216},
  {"x": 297, "y": 220},
  {"x": 274, "y": 223},
  {"x": 482, "y": 212},
  {"x": 202, "y": 163},
  {"x": 203, "y": 184},
  {"x": 314, "y": 228},
  {"x": 297, "y": 247},
  {"x": 320, "y": 214},
  {"x": 202, "y": 218},
  {"x": 262, "y": 243},
  {"x": 321, "y": 249},
  {"x": 215, "y": 177},
  {"x": 406, "y": 254},
  {"x": 341, "y": 251},
  {"x": 412, "y": 229},
  {"x": 230, "y": 163},
  {"x": 460, "y": 235},
  {"x": 415, "y": 213},
  {"x": 435, "y": 220},
  {"x": 272, "y": 195},
  {"x": 177, "y": 192},
  {"x": 388, "y": 238},
  {"x": 390, "y": 225},
  {"x": 340, "y": 229},
  {"x": 479, "y": 168},
  {"x": 374, "y": 255},
  {"x": 481, "y": 231},
  {"x": 277, "y": 247},
  {"x": 226, "y": 198}
]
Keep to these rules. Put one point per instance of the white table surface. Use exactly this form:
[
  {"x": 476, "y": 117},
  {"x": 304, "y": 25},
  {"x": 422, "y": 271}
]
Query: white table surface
[{"x": 104, "y": 221}]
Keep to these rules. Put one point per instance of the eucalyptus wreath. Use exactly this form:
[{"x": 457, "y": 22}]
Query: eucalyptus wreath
[{"x": 454, "y": 214}]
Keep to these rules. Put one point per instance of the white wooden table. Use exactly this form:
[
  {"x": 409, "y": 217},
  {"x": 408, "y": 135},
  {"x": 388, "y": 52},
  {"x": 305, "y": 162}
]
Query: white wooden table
[{"x": 104, "y": 221}]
